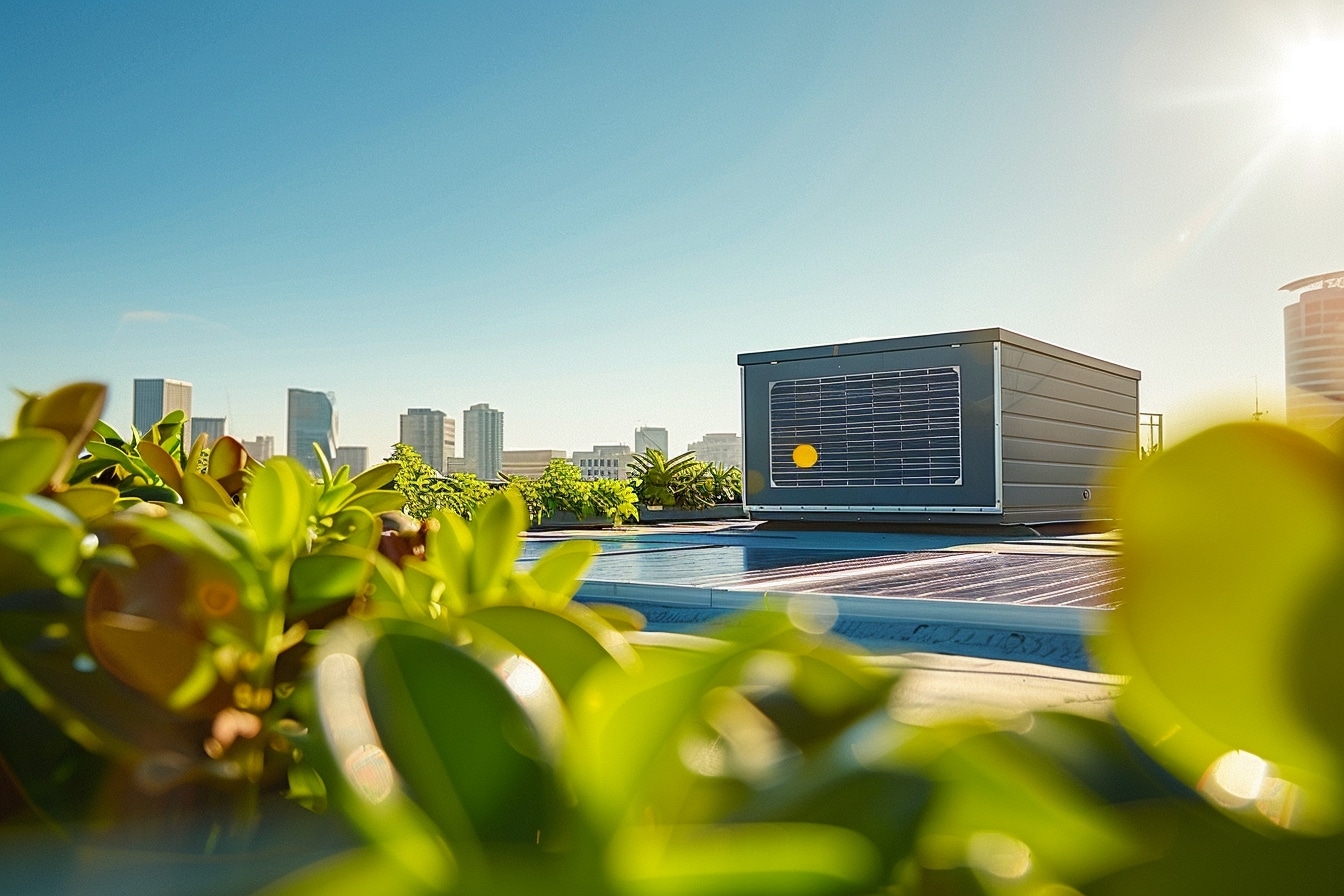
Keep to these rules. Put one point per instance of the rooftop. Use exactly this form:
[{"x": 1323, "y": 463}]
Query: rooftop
[{"x": 1014, "y": 597}]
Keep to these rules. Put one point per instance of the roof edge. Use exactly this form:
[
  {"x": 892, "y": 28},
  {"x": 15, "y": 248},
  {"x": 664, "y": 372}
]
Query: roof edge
[{"x": 1308, "y": 281}]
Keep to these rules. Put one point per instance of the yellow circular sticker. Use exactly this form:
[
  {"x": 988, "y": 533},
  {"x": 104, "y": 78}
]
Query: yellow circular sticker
[{"x": 804, "y": 455}]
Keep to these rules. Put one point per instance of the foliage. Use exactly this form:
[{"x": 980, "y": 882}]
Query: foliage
[
  {"x": 725, "y": 484},
  {"x": 488, "y": 735},
  {"x": 681, "y": 482},
  {"x": 614, "y": 499},
  {"x": 426, "y": 491},
  {"x": 562, "y": 488}
]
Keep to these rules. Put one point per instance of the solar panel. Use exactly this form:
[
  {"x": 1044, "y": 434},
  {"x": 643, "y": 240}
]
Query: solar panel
[
  {"x": 1040, "y": 579},
  {"x": 889, "y": 428}
]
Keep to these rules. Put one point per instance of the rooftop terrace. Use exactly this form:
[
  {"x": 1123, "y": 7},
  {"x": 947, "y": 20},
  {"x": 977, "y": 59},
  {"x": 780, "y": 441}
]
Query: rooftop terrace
[{"x": 1020, "y": 597}]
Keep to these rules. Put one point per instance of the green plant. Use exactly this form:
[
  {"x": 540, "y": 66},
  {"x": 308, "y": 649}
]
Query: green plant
[
  {"x": 562, "y": 488},
  {"x": 725, "y": 483},
  {"x": 681, "y": 482},
  {"x": 614, "y": 499},
  {"x": 485, "y": 734},
  {"x": 426, "y": 491}
]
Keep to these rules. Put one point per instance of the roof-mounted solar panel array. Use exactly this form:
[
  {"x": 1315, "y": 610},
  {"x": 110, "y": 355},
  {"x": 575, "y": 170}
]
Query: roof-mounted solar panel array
[{"x": 889, "y": 428}]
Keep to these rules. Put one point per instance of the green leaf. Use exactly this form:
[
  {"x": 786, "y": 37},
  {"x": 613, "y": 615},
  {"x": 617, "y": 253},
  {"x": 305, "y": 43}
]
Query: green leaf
[
  {"x": 88, "y": 502},
  {"x": 1228, "y": 539},
  {"x": 279, "y": 502},
  {"x": 378, "y": 502},
  {"x": 376, "y": 477},
  {"x": 29, "y": 460},
  {"x": 338, "y": 572},
  {"x": 559, "y": 571},
  {"x": 719, "y": 860},
  {"x": 72, "y": 411},
  {"x": 496, "y": 529},
  {"x": 356, "y": 526},
  {"x": 134, "y": 466},
  {"x": 333, "y": 498},
  {"x": 162, "y": 463},
  {"x": 562, "y": 646},
  {"x": 449, "y": 547},
  {"x": 202, "y": 494},
  {"x": 469, "y": 750}
]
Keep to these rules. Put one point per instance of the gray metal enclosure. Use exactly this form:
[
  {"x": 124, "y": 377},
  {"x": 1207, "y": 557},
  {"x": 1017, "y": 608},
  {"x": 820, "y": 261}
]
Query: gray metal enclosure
[{"x": 980, "y": 426}]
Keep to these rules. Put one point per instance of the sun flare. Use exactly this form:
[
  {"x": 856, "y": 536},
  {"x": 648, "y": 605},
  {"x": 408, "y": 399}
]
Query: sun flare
[{"x": 1313, "y": 86}]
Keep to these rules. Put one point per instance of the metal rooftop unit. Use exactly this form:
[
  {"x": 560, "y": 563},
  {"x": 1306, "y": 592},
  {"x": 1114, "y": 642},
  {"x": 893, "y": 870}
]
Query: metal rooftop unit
[{"x": 977, "y": 426}]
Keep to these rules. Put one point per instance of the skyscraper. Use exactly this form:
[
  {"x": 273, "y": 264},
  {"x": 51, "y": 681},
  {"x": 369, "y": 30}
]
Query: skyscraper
[
  {"x": 215, "y": 428},
  {"x": 718, "y": 448},
  {"x": 312, "y": 419},
  {"x": 1313, "y": 351},
  {"x": 647, "y": 437},
  {"x": 355, "y": 456},
  {"x": 432, "y": 434},
  {"x": 155, "y": 398},
  {"x": 261, "y": 448},
  {"x": 483, "y": 440}
]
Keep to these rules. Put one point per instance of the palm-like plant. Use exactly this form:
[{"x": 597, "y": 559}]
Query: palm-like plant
[{"x": 681, "y": 482}]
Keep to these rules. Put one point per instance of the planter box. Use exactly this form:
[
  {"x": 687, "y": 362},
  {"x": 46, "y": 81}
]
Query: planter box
[
  {"x": 673, "y": 515},
  {"x": 566, "y": 520}
]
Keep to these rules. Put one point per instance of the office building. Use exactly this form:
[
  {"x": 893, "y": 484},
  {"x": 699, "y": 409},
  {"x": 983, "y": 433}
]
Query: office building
[
  {"x": 432, "y": 434},
  {"x": 453, "y": 465},
  {"x": 483, "y": 440},
  {"x": 1313, "y": 351},
  {"x": 718, "y": 448},
  {"x": 214, "y": 428},
  {"x": 604, "y": 462},
  {"x": 312, "y": 420},
  {"x": 647, "y": 437},
  {"x": 354, "y": 456},
  {"x": 153, "y": 399},
  {"x": 531, "y": 462},
  {"x": 261, "y": 449}
]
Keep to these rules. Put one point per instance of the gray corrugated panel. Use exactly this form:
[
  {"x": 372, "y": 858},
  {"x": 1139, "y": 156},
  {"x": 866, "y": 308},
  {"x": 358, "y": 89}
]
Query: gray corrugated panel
[
  {"x": 1015, "y": 426},
  {"x": 967, "y": 576},
  {"x": 1018, "y": 449},
  {"x": 1032, "y": 362},
  {"x": 1040, "y": 407},
  {"x": 1067, "y": 390}
]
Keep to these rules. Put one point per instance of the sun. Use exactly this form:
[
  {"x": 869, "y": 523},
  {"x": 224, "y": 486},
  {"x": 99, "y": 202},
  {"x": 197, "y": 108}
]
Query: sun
[{"x": 1312, "y": 87}]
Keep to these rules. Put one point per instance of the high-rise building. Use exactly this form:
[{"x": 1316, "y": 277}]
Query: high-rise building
[
  {"x": 356, "y": 456},
  {"x": 432, "y": 434},
  {"x": 604, "y": 462},
  {"x": 530, "y": 462},
  {"x": 155, "y": 398},
  {"x": 483, "y": 440},
  {"x": 262, "y": 448},
  {"x": 312, "y": 420},
  {"x": 1313, "y": 351},
  {"x": 215, "y": 428},
  {"x": 647, "y": 437},
  {"x": 718, "y": 448}
]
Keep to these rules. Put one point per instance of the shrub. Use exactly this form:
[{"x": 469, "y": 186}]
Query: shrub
[{"x": 427, "y": 491}]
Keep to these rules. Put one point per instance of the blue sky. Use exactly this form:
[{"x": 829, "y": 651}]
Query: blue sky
[{"x": 581, "y": 214}]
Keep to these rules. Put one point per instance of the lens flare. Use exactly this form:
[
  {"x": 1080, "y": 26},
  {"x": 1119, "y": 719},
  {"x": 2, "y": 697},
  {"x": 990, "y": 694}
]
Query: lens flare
[{"x": 1312, "y": 87}]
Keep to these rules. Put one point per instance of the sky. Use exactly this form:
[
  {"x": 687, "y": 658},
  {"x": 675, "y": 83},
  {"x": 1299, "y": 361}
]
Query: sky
[{"x": 581, "y": 214}]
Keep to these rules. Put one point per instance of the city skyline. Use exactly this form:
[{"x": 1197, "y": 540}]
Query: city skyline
[{"x": 536, "y": 208}]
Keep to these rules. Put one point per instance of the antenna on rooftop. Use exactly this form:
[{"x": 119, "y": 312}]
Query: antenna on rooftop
[{"x": 1258, "y": 413}]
